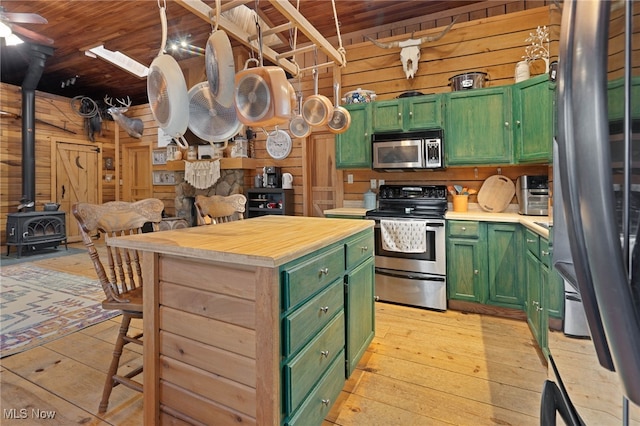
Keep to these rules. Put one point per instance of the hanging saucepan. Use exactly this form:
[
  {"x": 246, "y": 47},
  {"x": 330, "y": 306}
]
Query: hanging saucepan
[
  {"x": 298, "y": 126},
  {"x": 340, "y": 119},
  {"x": 208, "y": 119},
  {"x": 262, "y": 96},
  {"x": 220, "y": 68},
  {"x": 317, "y": 109},
  {"x": 167, "y": 92}
]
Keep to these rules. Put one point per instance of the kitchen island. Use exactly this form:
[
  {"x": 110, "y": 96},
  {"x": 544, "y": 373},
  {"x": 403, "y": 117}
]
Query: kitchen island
[{"x": 258, "y": 321}]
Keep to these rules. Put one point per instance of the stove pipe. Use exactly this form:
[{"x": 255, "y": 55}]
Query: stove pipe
[{"x": 37, "y": 58}]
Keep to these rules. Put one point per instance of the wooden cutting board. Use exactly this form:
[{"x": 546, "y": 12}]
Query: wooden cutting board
[{"x": 496, "y": 193}]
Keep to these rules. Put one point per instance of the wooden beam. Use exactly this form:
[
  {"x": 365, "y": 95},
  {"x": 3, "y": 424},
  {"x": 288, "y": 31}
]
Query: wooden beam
[
  {"x": 309, "y": 30},
  {"x": 203, "y": 11}
]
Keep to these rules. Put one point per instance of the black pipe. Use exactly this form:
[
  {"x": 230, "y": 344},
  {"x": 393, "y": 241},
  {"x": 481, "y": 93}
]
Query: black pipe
[{"x": 37, "y": 58}]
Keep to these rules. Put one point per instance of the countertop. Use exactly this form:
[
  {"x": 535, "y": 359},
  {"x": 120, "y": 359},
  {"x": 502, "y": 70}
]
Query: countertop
[
  {"x": 267, "y": 241},
  {"x": 473, "y": 214}
]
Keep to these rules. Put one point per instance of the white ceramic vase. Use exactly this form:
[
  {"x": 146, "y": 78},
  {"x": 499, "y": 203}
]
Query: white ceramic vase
[{"x": 522, "y": 71}]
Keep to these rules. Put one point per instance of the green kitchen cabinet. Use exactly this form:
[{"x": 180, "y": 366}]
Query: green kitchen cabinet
[
  {"x": 466, "y": 261},
  {"x": 407, "y": 114},
  {"x": 533, "y": 119},
  {"x": 327, "y": 321},
  {"x": 353, "y": 147},
  {"x": 545, "y": 289},
  {"x": 483, "y": 263},
  {"x": 505, "y": 270},
  {"x": 478, "y": 128},
  {"x": 615, "y": 98}
]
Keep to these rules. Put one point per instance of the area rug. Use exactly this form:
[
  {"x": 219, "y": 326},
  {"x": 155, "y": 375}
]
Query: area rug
[
  {"x": 38, "y": 305},
  {"x": 44, "y": 253}
]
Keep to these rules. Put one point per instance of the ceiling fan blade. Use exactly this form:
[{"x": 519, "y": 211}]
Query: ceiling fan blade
[
  {"x": 23, "y": 18},
  {"x": 31, "y": 34}
]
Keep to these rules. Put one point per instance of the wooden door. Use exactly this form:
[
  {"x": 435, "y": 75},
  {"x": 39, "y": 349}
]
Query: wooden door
[
  {"x": 136, "y": 173},
  {"x": 324, "y": 181},
  {"x": 77, "y": 179}
]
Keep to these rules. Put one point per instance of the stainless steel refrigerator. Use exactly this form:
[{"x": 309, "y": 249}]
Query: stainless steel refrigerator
[{"x": 596, "y": 189}]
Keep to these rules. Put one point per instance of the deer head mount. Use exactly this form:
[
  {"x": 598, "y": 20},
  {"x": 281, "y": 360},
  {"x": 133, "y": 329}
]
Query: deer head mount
[
  {"x": 410, "y": 53},
  {"x": 133, "y": 126}
]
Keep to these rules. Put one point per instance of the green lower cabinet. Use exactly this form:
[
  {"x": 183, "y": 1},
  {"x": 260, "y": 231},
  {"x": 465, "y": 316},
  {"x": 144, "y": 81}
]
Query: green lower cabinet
[
  {"x": 504, "y": 242},
  {"x": 466, "y": 241},
  {"x": 556, "y": 295},
  {"x": 359, "y": 301},
  {"x": 483, "y": 263},
  {"x": 534, "y": 305}
]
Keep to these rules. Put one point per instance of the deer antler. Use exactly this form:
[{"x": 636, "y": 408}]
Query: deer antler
[
  {"x": 126, "y": 104},
  {"x": 107, "y": 100}
]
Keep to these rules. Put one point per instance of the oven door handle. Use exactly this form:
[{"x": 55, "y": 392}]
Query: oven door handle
[{"x": 409, "y": 275}]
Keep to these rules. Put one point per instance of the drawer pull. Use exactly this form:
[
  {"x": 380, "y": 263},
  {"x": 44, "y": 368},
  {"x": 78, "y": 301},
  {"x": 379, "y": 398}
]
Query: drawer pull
[
  {"x": 324, "y": 271},
  {"x": 530, "y": 241},
  {"x": 544, "y": 253},
  {"x": 324, "y": 309},
  {"x": 464, "y": 228},
  {"x": 324, "y": 354},
  {"x": 364, "y": 248},
  {"x": 538, "y": 308},
  {"x": 326, "y": 402}
]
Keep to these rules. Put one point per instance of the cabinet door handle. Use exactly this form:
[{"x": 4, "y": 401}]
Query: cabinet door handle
[
  {"x": 538, "y": 308},
  {"x": 399, "y": 116},
  {"x": 324, "y": 353},
  {"x": 326, "y": 402},
  {"x": 410, "y": 114},
  {"x": 530, "y": 241},
  {"x": 535, "y": 303},
  {"x": 544, "y": 253},
  {"x": 324, "y": 309},
  {"x": 506, "y": 124},
  {"x": 364, "y": 248},
  {"x": 476, "y": 272},
  {"x": 324, "y": 271}
]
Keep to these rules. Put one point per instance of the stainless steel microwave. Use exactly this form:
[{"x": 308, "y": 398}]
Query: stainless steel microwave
[{"x": 408, "y": 150}]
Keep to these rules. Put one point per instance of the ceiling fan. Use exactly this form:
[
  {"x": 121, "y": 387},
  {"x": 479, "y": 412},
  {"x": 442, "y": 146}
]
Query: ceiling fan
[{"x": 8, "y": 26}]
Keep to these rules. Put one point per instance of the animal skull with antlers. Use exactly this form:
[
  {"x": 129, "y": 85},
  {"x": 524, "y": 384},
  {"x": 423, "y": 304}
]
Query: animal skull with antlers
[{"x": 410, "y": 53}]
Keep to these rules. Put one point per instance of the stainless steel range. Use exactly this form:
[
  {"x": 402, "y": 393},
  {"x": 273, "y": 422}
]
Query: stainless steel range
[{"x": 410, "y": 245}]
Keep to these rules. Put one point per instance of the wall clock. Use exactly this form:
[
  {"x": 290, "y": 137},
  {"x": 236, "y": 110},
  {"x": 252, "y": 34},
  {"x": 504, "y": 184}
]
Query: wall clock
[{"x": 278, "y": 144}]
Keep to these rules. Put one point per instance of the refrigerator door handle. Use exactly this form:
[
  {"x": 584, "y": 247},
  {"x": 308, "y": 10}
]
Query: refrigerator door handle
[{"x": 593, "y": 186}]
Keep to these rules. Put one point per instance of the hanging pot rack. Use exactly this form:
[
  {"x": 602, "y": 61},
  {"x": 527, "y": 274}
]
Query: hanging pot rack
[{"x": 295, "y": 18}]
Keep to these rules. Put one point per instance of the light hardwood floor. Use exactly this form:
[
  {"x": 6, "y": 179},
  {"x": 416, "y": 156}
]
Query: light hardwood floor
[{"x": 423, "y": 368}]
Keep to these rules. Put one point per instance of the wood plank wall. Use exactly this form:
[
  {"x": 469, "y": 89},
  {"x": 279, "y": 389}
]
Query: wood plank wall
[{"x": 484, "y": 38}]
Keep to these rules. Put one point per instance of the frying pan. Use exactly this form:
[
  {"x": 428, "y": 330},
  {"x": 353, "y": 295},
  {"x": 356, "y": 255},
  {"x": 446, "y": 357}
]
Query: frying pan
[
  {"x": 167, "y": 92},
  {"x": 220, "y": 68},
  {"x": 208, "y": 119},
  {"x": 317, "y": 109},
  {"x": 298, "y": 126},
  {"x": 340, "y": 119}
]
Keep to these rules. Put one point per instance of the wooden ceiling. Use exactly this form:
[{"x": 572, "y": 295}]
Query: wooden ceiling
[{"x": 133, "y": 27}]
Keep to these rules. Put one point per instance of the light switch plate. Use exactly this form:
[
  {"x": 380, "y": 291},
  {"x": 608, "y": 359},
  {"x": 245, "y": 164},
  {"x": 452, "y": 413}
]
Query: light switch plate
[
  {"x": 349, "y": 178},
  {"x": 373, "y": 184}
]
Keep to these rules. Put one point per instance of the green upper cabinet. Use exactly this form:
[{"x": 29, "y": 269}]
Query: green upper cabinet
[
  {"x": 353, "y": 147},
  {"x": 615, "y": 98},
  {"x": 407, "y": 114},
  {"x": 478, "y": 127},
  {"x": 533, "y": 122}
]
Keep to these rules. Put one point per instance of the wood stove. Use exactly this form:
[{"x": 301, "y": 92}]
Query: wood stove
[{"x": 36, "y": 230}]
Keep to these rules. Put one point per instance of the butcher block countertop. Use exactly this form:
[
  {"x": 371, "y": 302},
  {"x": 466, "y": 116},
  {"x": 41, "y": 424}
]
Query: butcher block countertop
[{"x": 267, "y": 241}]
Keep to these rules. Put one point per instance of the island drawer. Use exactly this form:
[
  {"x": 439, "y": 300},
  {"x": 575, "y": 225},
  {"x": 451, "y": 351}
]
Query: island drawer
[
  {"x": 309, "y": 276},
  {"x": 359, "y": 248},
  {"x": 304, "y": 323},
  {"x": 302, "y": 372},
  {"x": 316, "y": 406},
  {"x": 464, "y": 228}
]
